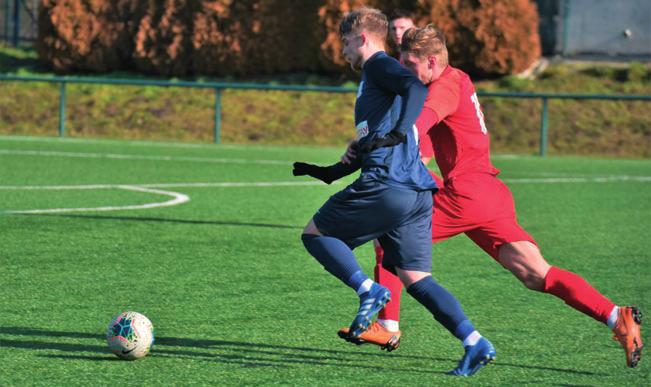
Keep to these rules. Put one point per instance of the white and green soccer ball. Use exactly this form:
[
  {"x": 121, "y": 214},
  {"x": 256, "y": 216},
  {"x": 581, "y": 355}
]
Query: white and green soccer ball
[{"x": 130, "y": 335}]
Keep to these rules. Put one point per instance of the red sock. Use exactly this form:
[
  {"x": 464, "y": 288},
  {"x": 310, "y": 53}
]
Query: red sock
[
  {"x": 577, "y": 293},
  {"x": 392, "y": 282}
]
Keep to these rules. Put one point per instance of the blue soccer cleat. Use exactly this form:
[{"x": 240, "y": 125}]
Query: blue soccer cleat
[
  {"x": 475, "y": 358},
  {"x": 370, "y": 303}
]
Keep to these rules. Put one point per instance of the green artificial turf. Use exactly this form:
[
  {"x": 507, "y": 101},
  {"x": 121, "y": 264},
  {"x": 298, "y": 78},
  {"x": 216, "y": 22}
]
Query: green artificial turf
[{"x": 236, "y": 299}]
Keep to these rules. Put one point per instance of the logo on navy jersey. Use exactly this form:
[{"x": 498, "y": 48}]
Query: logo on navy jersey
[{"x": 362, "y": 129}]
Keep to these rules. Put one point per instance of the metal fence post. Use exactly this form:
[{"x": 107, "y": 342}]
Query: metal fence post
[
  {"x": 6, "y": 19},
  {"x": 543, "y": 128},
  {"x": 566, "y": 26},
  {"x": 62, "y": 110},
  {"x": 218, "y": 115},
  {"x": 16, "y": 22}
]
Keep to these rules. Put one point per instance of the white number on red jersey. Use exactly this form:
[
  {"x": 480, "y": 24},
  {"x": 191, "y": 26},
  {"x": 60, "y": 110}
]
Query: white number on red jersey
[{"x": 480, "y": 115}]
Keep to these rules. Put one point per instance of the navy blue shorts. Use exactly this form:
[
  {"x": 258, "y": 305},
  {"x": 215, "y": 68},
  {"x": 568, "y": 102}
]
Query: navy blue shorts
[{"x": 401, "y": 219}]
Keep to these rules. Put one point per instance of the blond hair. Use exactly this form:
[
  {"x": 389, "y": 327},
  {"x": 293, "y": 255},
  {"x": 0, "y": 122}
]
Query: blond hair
[
  {"x": 425, "y": 42},
  {"x": 365, "y": 19}
]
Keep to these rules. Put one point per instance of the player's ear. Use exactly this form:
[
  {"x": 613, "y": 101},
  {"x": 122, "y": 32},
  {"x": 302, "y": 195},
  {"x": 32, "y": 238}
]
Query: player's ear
[
  {"x": 431, "y": 62},
  {"x": 363, "y": 38}
]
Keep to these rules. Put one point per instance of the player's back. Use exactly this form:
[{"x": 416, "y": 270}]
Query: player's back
[
  {"x": 459, "y": 138},
  {"x": 378, "y": 110}
]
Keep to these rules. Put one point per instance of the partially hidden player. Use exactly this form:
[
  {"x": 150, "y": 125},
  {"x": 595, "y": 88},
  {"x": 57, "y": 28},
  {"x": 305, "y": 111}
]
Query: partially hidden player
[
  {"x": 400, "y": 21},
  {"x": 391, "y": 200}
]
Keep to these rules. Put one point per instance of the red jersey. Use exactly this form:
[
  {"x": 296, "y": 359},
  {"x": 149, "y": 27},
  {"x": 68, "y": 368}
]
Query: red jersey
[{"x": 451, "y": 126}]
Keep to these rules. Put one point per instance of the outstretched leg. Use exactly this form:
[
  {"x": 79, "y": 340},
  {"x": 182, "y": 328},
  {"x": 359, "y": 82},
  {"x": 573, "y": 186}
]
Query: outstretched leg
[{"x": 524, "y": 260}]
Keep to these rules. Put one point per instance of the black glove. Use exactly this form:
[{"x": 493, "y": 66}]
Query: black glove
[
  {"x": 392, "y": 138},
  {"x": 317, "y": 172},
  {"x": 325, "y": 174}
]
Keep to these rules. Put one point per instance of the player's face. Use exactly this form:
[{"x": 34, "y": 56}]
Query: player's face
[
  {"x": 397, "y": 27},
  {"x": 351, "y": 50},
  {"x": 421, "y": 67}
]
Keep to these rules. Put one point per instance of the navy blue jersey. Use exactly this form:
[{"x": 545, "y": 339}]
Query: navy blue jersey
[{"x": 391, "y": 97}]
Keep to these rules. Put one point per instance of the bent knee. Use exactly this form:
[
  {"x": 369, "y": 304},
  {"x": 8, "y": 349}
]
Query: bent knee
[
  {"x": 524, "y": 260},
  {"x": 310, "y": 229},
  {"x": 410, "y": 277}
]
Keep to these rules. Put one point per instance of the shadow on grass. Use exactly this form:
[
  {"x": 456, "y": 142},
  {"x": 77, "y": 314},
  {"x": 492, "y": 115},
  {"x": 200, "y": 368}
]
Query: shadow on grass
[
  {"x": 108, "y": 357},
  {"x": 168, "y": 220},
  {"x": 10, "y": 63},
  {"x": 247, "y": 354},
  {"x": 234, "y": 352}
]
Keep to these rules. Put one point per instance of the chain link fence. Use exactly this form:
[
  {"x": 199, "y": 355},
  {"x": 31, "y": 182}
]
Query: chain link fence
[{"x": 18, "y": 21}]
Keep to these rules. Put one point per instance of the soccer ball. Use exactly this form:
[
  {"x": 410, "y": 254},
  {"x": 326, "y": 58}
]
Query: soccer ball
[{"x": 130, "y": 335}]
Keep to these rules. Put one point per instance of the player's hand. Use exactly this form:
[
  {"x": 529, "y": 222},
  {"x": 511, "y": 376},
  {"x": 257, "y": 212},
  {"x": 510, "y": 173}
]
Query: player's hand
[
  {"x": 392, "y": 138},
  {"x": 317, "y": 172},
  {"x": 351, "y": 153},
  {"x": 302, "y": 169}
]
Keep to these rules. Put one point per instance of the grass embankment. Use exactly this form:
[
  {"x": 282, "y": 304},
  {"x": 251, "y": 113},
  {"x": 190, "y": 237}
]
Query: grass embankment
[{"x": 615, "y": 128}]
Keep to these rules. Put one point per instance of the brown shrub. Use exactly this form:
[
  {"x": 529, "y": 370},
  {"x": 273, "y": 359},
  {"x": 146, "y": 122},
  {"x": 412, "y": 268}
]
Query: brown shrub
[
  {"x": 89, "y": 35},
  {"x": 162, "y": 43},
  {"x": 486, "y": 37},
  {"x": 253, "y": 37}
]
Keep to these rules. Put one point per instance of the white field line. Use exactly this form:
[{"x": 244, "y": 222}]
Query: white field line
[
  {"x": 182, "y": 145},
  {"x": 177, "y": 198},
  {"x": 222, "y": 160},
  {"x": 143, "y": 143},
  {"x": 596, "y": 179},
  {"x": 164, "y": 185},
  {"x": 551, "y": 180},
  {"x": 121, "y": 156}
]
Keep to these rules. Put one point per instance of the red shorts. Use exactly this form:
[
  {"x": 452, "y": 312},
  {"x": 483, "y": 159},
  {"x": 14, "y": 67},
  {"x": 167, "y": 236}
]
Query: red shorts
[{"x": 481, "y": 206}]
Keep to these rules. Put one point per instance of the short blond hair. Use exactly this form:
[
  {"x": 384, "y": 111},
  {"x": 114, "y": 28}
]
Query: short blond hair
[
  {"x": 365, "y": 19},
  {"x": 425, "y": 42}
]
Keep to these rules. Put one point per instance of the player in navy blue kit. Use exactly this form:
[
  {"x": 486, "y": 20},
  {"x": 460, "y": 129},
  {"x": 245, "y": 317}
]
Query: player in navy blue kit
[{"x": 391, "y": 200}]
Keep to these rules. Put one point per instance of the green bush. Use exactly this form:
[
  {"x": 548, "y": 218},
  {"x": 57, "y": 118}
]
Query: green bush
[
  {"x": 637, "y": 72},
  {"x": 513, "y": 83}
]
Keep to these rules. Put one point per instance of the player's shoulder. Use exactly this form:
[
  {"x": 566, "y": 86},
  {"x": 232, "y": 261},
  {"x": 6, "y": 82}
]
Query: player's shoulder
[
  {"x": 452, "y": 82},
  {"x": 452, "y": 75},
  {"x": 449, "y": 82},
  {"x": 380, "y": 60}
]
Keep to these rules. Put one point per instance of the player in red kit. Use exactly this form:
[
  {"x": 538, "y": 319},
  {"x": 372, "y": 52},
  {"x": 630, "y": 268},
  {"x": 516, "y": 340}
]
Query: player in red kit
[{"x": 475, "y": 202}]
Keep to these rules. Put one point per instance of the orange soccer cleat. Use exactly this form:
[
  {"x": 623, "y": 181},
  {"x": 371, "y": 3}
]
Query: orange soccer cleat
[
  {"x": 375, "y": 334},
  {"x": 627, "y": 332}
]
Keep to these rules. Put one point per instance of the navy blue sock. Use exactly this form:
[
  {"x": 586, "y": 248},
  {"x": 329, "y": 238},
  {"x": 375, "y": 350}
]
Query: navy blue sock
[
  {"x": 443, "y": 306},
  {"x": 336, "y": 257}
]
